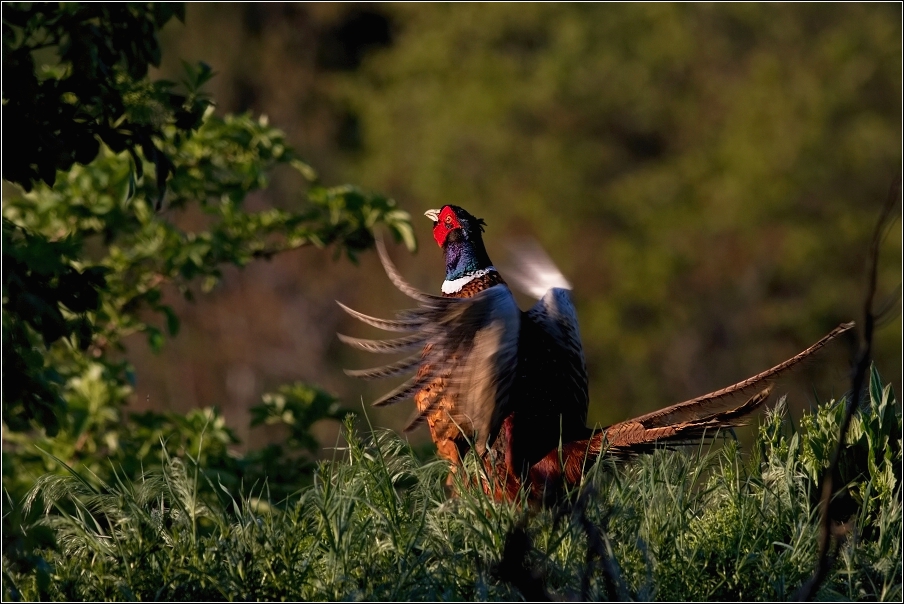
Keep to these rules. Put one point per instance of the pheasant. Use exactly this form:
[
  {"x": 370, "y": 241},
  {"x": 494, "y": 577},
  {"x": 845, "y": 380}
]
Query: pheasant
[{"x": 512, "y": 384}]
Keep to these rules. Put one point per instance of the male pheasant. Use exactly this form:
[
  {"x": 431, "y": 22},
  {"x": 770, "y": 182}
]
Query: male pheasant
[{"x": 513, "y": 384}]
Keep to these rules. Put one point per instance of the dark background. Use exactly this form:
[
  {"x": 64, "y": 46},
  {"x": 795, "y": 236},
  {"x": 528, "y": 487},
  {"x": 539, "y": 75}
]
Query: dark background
[{"x": 707, "y": 176}]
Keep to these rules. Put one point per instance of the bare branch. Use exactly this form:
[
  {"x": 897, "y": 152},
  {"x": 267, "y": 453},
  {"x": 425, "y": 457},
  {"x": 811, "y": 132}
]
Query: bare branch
[{"x": 827, "y": 540}]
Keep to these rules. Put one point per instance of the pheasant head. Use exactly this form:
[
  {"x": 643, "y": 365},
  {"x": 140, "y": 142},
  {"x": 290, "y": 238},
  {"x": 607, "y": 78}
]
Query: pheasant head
[{"x": 460, "y": 235}]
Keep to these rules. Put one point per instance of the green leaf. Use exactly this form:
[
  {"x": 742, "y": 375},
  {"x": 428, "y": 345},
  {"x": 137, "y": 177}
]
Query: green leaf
[
  {"x": 172, "y": 320},
  {"x": 155, "y": 338}
]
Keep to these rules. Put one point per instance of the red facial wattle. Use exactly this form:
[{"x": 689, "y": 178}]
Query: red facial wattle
[{"x": 447, "y": 223}]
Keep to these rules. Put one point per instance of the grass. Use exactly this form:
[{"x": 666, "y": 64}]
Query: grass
[{"x": 708, "y": 524}]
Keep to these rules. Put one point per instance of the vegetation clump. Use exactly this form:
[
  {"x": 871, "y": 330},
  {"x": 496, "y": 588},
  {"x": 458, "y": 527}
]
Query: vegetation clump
[{"x": 378, "y": 525}]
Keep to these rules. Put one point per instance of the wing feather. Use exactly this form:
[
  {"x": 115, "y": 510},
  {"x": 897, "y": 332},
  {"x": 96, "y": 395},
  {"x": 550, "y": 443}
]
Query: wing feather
[
  {"x": 409, "y": 324},
  {"x": 406, "y": 390},
  {"x": 534, "y": 273},
  {"x": 389, "y": 370},
  {"x": 471, "y": 343},
  {"x": 556, "y": 318},
  {"x": 405, "y": 344},
  {"x": 397, "y": 280}
]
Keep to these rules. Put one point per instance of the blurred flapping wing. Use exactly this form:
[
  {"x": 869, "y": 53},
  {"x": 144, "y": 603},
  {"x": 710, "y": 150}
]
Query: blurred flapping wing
[
  {"x": 553, "y": 365},
  {"x": 471, "y": 343}
]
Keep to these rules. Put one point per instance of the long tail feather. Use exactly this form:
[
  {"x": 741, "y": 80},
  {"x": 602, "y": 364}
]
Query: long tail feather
[
  {"x": 690, "y": 420},
  {"x": 633, "y": 436},
  {"x": 702, "y": 405}
]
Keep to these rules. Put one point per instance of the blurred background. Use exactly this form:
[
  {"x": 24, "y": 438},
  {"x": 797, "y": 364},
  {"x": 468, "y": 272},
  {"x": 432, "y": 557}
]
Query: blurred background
[{"x": 707, "y": 176}]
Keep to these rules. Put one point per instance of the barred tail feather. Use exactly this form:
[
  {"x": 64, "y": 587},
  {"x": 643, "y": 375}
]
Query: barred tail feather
[
  {"x": 688, "y": 410},
  {"x": 685, "y": 423},
  {"x": 690, "y": 419},
  {"x": 634, "y": 436}
]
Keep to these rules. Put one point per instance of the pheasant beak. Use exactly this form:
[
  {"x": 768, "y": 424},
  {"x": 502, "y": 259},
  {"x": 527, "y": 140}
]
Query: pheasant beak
[{"x": 432, "y": 215}]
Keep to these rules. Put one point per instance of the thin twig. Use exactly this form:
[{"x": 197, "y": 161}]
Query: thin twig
[{"x": 828, "y": 545}]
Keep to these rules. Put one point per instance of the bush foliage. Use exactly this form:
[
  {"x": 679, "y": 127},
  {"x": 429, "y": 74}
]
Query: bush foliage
[
  {"x": 90, "y": 240},
  {"x": 378, "y": 525},
  {"x": 87, "y": 250}
]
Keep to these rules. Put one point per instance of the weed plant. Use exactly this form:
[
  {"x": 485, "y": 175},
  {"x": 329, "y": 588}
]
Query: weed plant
[{"x": 378, "y": 524}]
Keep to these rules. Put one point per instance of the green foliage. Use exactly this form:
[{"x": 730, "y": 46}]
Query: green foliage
[
  {"x": 113, "y": 236},
  {"x": 89, "y": 248},
  {"x": 378, "y": 525},
  {"x": 85, "y": 257},
  {"x": 141, "y": 251},
  {"x": 297, "y": 406},
  {"x": 866, "y": 467},
  {"x": 93, "y": 90},
  {"x": 39, "y": 285}
]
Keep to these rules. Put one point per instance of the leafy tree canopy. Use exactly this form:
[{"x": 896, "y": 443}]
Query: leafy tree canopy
[{"x": 122, "y": 185}]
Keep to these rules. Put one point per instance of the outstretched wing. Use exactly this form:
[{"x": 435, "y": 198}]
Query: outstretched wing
[
  {"x": 468, "y": 352},
  {"x": 554, "y": 360},
  {"x": 551, "y": 396},
  {"x": 553, "y": 320}
]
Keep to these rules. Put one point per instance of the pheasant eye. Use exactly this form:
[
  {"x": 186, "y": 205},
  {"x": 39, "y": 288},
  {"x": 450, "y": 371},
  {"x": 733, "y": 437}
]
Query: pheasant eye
[{"x": 448, "y": 220}]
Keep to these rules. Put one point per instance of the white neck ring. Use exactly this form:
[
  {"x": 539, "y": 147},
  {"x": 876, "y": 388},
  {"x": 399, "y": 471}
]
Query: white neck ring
[{"x": 455, "y": 285}]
